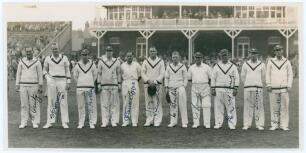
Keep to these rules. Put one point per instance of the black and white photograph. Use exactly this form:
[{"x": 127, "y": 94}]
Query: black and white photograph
[{"x": 158, "y": 76}]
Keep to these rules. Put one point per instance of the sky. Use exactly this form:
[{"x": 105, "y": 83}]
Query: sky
[{"x": 77, "y": 12}]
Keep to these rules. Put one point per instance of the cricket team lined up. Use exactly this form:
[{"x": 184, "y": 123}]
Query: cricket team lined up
[{"x": 115, "y": 76}]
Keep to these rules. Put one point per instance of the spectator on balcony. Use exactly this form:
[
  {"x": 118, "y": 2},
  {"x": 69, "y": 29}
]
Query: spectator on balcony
[
  {"x": 190, "y": 13},
  {"x": 100, "y": 21},
  {"x": 165, "y": 15},
  {"x": 95, "y": 21}
]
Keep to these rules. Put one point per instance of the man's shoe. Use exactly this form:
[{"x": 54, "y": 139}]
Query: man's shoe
[
  {"x": 285, "y": 128},
  {"x": 217, "y": 127},
  {"x": 232, "y": 127},
  {"x": 260, "y": 128},
  {"x": 245, "y": 128},
  {"x": 156, "y": 125},
  {"x": 92, "y": 126},
  {"x": 134, "y": 125},
  {"x": 65, "y": 125},
  {"x": 124, "y": 124},
  {"x": 35, "y": 126},
  {"x": 195, "y": 126},
  {"x": 147, "y": 124},
  {"x": 47, "y": 126},
  {"x": 114, "y": 125},
  {"x": 171, "y": 125},
  {"x": 273, "y": 128},
  {"x": 103, "y": 126},
  {"x": 80, "y": 126},
  {"x": 21, "y": 126},
  {"x": 184, "y": 126}
]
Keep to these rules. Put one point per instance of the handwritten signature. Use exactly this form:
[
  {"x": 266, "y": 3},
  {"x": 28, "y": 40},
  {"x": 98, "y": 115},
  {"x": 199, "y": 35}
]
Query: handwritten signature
[
  {"x": 230, "y": 102},
  {"x": 89, "y": 99},
  {"x": 197, "y": 107},
  {"x": 276, "y": 113},
  {"x": 151, "y": 108},
  {"x": 37, "y": 100},
  {"x": 110, "y": 106},
  {"x": 173, "y": 104},
  {"x": 59, "y": 97},
  {"x": 131, "y": 94}
]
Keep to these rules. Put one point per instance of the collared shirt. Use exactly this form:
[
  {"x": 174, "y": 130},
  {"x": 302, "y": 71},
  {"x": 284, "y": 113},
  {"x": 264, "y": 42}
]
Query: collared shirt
[
  {"x": 153, "y": 70},
  {"x": 252, "y": 74},
  {"x": 109, "y": 72},
  {"x": 130, "y": 71},
  {"x": 29, "y": 72},
  {"x": 225, "y": 76},
  {"x": 176, "y": 75},
  {"x": 57, "y": 67},
  {"x": 85, "y": 74},
  {"x": 279, "y": 73},
  {"x": 199, "y": 74}
]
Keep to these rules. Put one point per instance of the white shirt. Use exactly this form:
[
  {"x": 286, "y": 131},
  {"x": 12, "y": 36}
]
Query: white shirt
[
  {"x": 153, "y": 70},
  {"x": 130, "y": 71},
  {"x": 199, "y": 74},
  {"x": 176, "y": 75},
  {"x": 29, "y": 72},
  {"x": 279, "y": 73},
  {"x": 109, "y": 72},
  {"x": 57, "y": 67},
  {"x": 252, "y": 74},
  {"x": 85, "y": 74},
  {"x": 225, "y": 76}
]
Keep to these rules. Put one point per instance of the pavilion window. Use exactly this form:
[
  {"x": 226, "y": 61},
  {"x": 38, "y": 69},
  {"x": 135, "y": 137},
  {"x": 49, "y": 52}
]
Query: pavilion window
[
  {"x": 238, "y": 11},
  {"x": 134, "y": 12},
  {"x": 273, "y": 12},
  {"x": 141, "y": 12},
  {"x": 121, "y": 12},
  {"x": 115, "y": 12},
  {"x": 278, "y": 12},
  {"x": 251, "y": 12},
  {"x": 148, "y": 11},
  {"x": 111, "y": 13}
]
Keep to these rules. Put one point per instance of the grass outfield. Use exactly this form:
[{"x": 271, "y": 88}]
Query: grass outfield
[{"x": 150, "y": 137}]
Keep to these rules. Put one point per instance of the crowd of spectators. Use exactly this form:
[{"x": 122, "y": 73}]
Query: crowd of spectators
[
  {"x": 35, "y": 34},
  {"x": 35, "y": 26}
]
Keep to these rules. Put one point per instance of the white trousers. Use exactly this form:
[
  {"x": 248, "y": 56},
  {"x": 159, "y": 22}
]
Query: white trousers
[
  {"x": 154, "y": 109},
  {"x": 130, "y": 95},
  {"x": 87, "y": 97},
  {"x": 279, "y": 104},
  {"x": 253, "y": 104},
  {"x": 30, "y": 104},
  {"x": 200, "y": 100},
  {"x": 110, "y": 105},
  {"x": 57, "y": 100},
  {"x": 225, "y": 98},
  {"x": 178, "y": 97}
]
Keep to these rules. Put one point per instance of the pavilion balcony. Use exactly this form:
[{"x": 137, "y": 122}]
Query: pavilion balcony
[{"x": 198, "y": 24}]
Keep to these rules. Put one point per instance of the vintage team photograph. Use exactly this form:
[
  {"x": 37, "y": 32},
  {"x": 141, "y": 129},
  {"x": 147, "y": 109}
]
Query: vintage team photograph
[{"x": 177, "y": 75}]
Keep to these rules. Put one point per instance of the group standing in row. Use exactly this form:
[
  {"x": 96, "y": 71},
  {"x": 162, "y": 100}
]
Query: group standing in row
[{"x": 115, "y": 77}]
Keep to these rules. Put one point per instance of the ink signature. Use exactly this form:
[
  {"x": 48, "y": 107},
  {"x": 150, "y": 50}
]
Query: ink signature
[
  {"x": 151, "y": 108},
  {"x": 131, "y": 94},
  {"x": 37, "y": 100},
  {"x": 59, "y": 97}
]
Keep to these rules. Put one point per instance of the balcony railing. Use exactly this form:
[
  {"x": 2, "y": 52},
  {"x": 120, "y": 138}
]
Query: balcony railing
[{"x": 248, "y": 23}]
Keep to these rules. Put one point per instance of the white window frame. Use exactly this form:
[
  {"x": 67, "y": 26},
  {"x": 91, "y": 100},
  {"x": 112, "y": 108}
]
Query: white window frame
[{"x": 244, "y": 41}]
